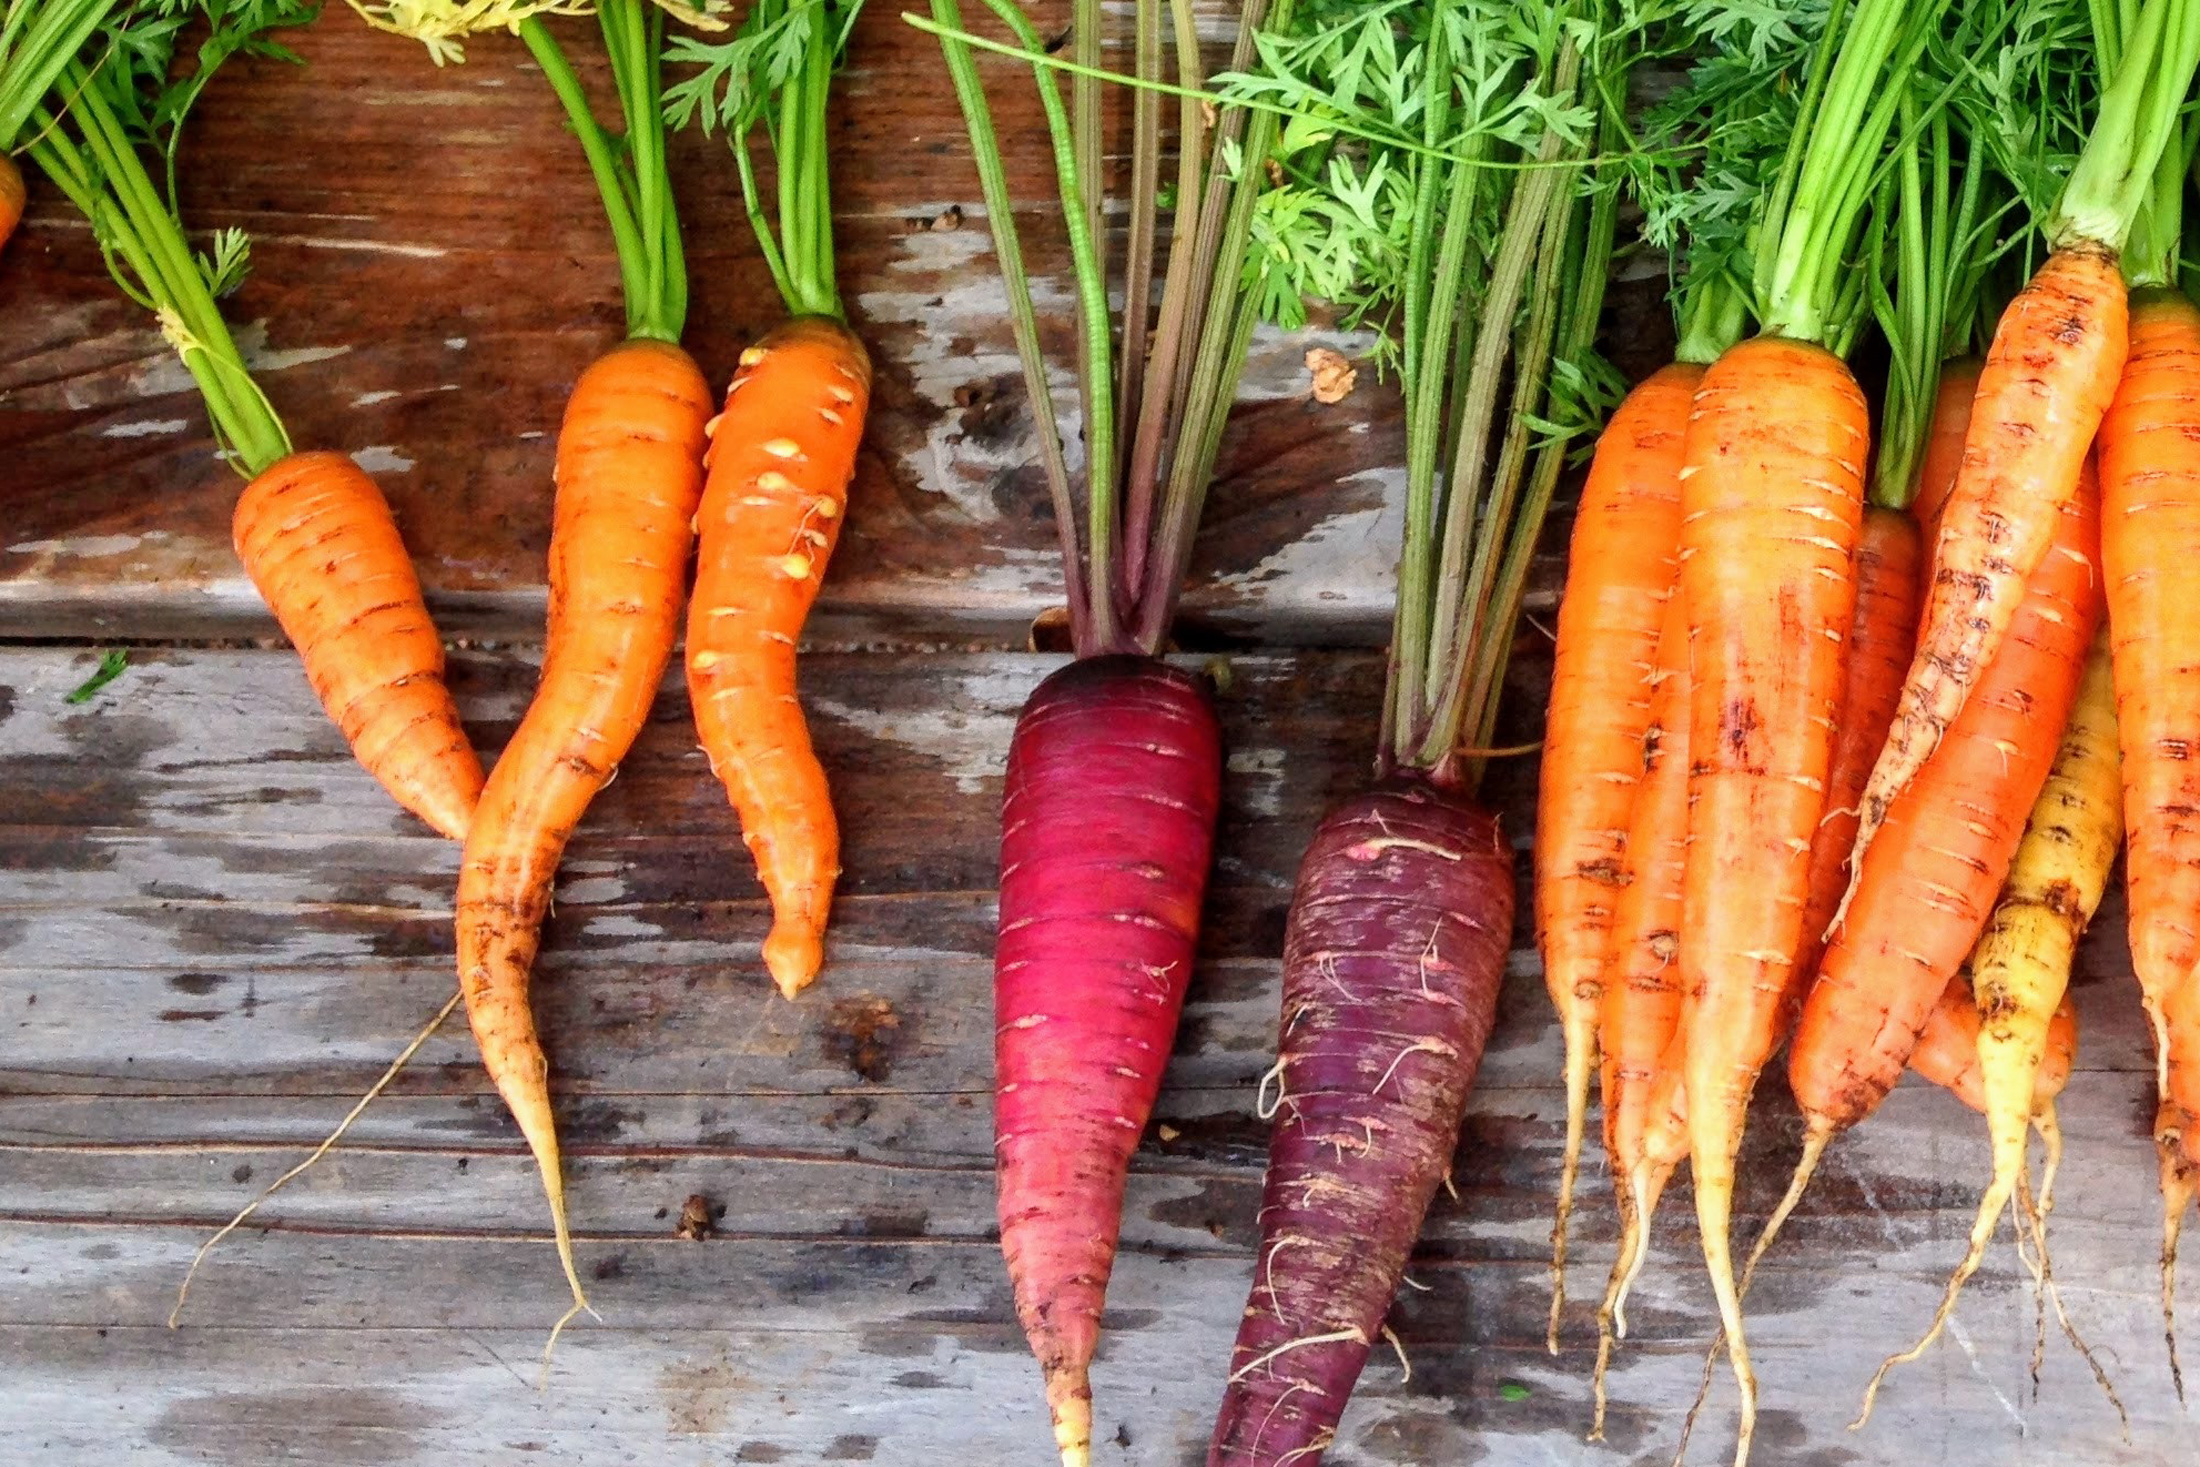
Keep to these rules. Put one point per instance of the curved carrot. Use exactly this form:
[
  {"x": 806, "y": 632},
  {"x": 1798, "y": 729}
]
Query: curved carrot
[
  {"x": 1943, "y": 456},
  {"x": 2053, "y": 367},
  {"x": 1645, "y": 1135},
  {"x": 1620, "y": 573},
  {"x": 1947, "y": 1049},
  {"x": 1884, "y": 633},
  {"x": 1926, "y": 890},
  {"x": 2150, "y": 555},
  {"x": 318, "y": 540},
  {"x": 11, "y": 197},
  {"x": 1772, "y": 504},
  {"x": 629, "y": 475},
  {"x": 780, "y": 460}
]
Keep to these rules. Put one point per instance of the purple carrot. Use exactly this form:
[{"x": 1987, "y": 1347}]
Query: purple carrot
[
  {"x": 1107, "y": 827},
  {"x": 1391, "y": 965}
]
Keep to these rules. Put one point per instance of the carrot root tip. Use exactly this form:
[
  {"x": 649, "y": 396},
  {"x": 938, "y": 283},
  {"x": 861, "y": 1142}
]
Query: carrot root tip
[
  {"x": 1069, "y": 1399},
  {"x": 792, "y": 955}
]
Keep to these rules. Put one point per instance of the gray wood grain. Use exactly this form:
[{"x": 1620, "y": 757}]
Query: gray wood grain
[{"x": 214, "y": 930}]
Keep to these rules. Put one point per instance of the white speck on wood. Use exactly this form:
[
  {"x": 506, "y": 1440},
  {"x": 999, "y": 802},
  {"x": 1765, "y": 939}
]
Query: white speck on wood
[
  {"x": 86, "y": 546},
  {"x": 369, "y": 399},
  {"x": 148, "y": 428},
  {"x": 381, "y": 458}
]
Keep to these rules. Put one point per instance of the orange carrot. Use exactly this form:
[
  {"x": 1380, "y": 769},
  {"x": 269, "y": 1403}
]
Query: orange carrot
[
  {"x": 318, "y": 540},
  {"x": 781, "y": 458},
  {"x": 1880, "y": 642},
  {"x": 2046, "y": 383},
  {"x": 1620, "y": 575},
  {"x": 2150, "y": 528},
  {"x": 1772, "y": 505},
  {"x": 1639, "y": 1010},
  {"x": 1943, "y": 455},
  {"x": 1927, "y": 888},
  {"x": 629, "y": 476},
  {"x": 1947, "y": 1049},
  {"x": 11, "y": 197}
]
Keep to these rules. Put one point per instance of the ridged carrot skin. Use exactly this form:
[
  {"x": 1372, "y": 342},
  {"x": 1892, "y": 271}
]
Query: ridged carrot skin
[
  {"x": 629, "y": 476},
  {"x": 320, "y": 543},
  {"x": 1645, "y": 1127},
  {"x": 1889, "y": 576},
  {"x": 2057, "y": 355},
  {"x": 2150, "y": 553},
  {"x": 1107, "y": 829},
  {"x": 1620, "y": 575},
  {"x": 781, "y": 458},
  {"x": 1943, "y": 456},
  {"x": 1772, "y": 505},
  {"x": 11, "y": 198},
  {"x": 1392, "y": 962},
  {"x": 1947, "y": 1049},
  {"x": 1930, "y": 882}
]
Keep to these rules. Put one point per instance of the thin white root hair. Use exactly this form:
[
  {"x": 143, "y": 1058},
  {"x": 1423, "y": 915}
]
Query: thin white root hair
[
  {"x": 1405, "y": 1366},
  {"x": 1262, "y": 1106},
  {"x": 1335, "y": 1337},
  {"x": 404, "y": 1057}
]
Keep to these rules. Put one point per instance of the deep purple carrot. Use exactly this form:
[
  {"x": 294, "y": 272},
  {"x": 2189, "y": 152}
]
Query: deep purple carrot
[
  {"x": 1396, "y": 942},
  {"x": 1391, "y": 966},
  {"x": 1116, "y": 769},
  {"x": 1114, "y": 778}
]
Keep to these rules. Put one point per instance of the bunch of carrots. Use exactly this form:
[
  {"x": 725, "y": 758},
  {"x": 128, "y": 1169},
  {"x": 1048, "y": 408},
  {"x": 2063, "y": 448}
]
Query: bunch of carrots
[{"x": 1839, "y": 726}]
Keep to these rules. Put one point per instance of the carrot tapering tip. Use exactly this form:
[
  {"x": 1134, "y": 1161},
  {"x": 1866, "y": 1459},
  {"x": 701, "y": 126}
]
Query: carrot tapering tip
[
  {"x": 1069, "y": 1399},
  {"x": 793, "y": 954}
]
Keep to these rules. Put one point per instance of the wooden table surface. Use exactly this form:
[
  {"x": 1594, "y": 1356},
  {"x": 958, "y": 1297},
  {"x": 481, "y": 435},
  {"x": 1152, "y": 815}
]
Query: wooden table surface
[{"x": 215, "y": 930}]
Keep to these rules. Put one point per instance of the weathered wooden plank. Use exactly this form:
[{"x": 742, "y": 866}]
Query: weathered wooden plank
[{"x": 214, "y": 930}]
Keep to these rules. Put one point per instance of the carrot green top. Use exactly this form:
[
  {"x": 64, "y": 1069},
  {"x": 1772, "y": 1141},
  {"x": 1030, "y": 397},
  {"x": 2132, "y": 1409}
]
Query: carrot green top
[
  {"x": 2148, "y": 53},
  {"x": 629, "y": 165},
  {"x": 2150, "y": 254},
  {"x": 1807, "y": 282},
  {"x": 120, "y": 97},
  {"x": 37, "y": 39},
  {"x": 777, "y": 71},
  {"x": 1152, "y": 407}
]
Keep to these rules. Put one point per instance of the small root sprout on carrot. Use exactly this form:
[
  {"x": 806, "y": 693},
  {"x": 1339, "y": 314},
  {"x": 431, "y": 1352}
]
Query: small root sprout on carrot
[{"x": 404, "y": 1056}]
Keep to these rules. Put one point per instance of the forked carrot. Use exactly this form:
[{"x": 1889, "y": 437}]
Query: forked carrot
[
  {"x": 1620, "y": 576},
  {"x": 318, "y": 540},
  {"x": 781, "y": 458}
]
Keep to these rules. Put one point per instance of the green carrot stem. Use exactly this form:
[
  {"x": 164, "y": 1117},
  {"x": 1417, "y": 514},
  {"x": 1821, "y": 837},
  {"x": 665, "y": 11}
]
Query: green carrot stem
[{"x": 2138, "y": 119}]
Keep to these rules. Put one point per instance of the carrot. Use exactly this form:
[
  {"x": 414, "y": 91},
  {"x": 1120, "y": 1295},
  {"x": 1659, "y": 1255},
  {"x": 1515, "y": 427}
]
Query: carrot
[
  {"x": 1927, "y": 891},
  {"x": 782, "y": 456},
  {"x": 1620, "y": 574},
  {"x": 1114, "y": 771},
  {"x": 1947, "y": 1050},
  {"x": 1392, "y": 961},
  {"x": 318, "y": 540},
  {"x": 1645, "y": 1132},
  {"x": 2056, "y": 357},
  {"x": 629, "y": 481},
  {"x": 11, "y": 198},
  {"x": 2150, "y": 485},
  {"x": 2021, "y": 970},
  {"x": 1888, "y": 557},
  {"x": 1943, "y": 452},
  {"x": 629, "y": 478},
  {"x": 1393, "y": 949}
]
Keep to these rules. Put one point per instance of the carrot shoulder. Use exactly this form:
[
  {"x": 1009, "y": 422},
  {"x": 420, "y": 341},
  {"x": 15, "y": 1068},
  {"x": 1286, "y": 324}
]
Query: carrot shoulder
[
  {"x": 781, "y": 457},
  {"x": 629, "y": 476},
  {"x": 320, "y": 543},
  {"x": 1620, "y": 576}
]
